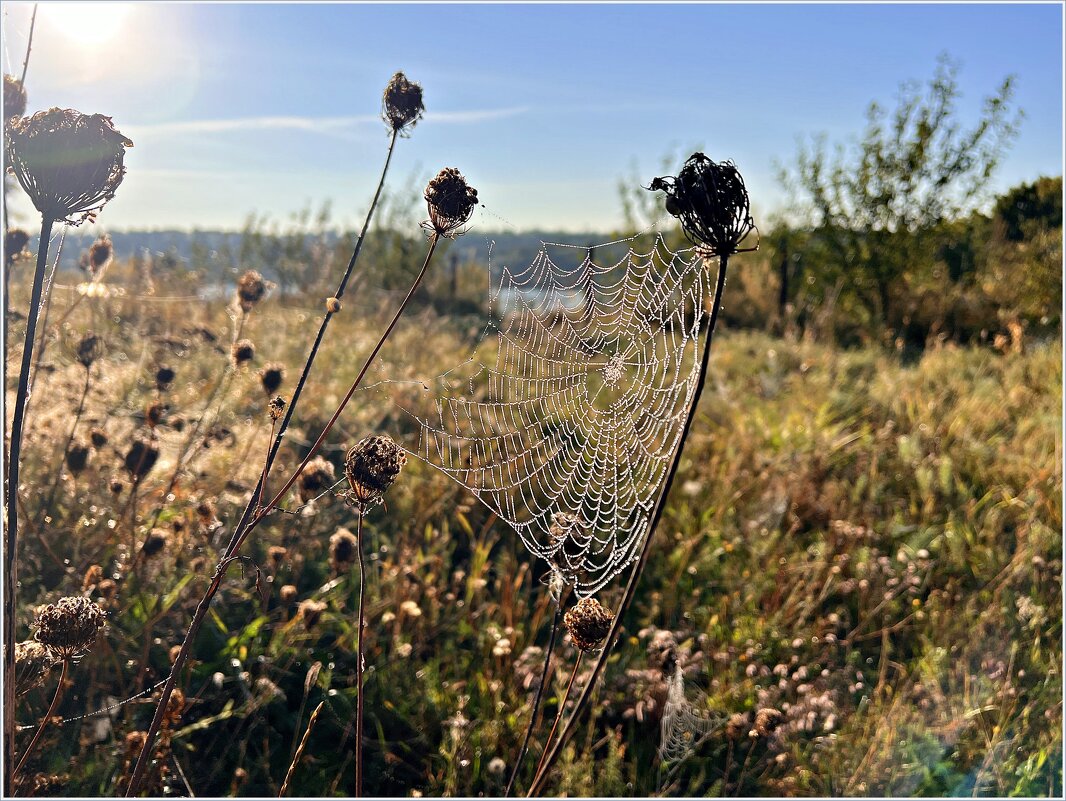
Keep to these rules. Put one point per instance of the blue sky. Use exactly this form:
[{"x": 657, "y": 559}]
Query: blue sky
[{"x": 236, "y": 108}]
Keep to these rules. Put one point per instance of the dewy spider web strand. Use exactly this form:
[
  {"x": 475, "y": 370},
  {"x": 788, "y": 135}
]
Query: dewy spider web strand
[{"x": 571, "y": 406}]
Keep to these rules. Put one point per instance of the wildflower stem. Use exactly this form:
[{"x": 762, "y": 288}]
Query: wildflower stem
[
  {"x": 29, "y": 46},
  {"x": 44, "y": 721},
  {"x": 660, "y": 506},
  {"x": 11, "y": 494},
  {"x": 359, "y": 660},
  {"x": 300, "y": 751},
  {"x": 536, "y": 701},
  {"x": 558, "y": 716}
]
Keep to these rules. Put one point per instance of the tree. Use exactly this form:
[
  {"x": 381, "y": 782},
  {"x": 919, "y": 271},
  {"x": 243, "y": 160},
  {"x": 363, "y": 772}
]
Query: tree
[{"x": 876, "y": 206}]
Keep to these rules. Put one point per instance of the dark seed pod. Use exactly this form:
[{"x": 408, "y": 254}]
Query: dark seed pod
[
  {"x": 343, "y": 548},
  {"x": 250, "y": 290},
  {"x": 242, "y": 351},
  {"x": 100, "y": 253},
  {"x": 116, "y": 486},
  {"x": 155, "y": 542},
  {"x": 451, "y": 201},
  {"x": 276, "y": 407},
  {"x": 98, "y": 437},
  {"x": 69, "y": 163},
  {"x": 154, "y": 413},
  {"x": 141, "y": 458},
  {"x": 588, "y": 623},
  {"x": 14, "y": 97},
  {"x": 271, "y": 376},
  {"x": 371, "y": 466},
  {"x": 401, "y": 104},
  {"x": 711, "y": 202},
  {"x": 277, "y": 554},
  {"x": 69, "y": 627},
  {"x": 163, "y": 376},
  {"x": 316, "y": 478},
  {"x": 89, "y": 348},
  {"x": 77, "y": 457}
]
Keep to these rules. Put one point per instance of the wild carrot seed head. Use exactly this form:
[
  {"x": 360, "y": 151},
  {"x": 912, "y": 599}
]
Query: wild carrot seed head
[{"x": 401, "y": 104}]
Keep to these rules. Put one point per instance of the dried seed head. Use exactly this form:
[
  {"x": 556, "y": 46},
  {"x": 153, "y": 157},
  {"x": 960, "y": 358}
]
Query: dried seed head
[
  {"x": 174, "y": 710},
  {"x": 155, "y": 542},
  {"x": 154, "y": 413},
  {"x": 737, "y": 725},
  {"x": 276, "y": 407},
  {"x": 271, "y": 376},
  {"x": 69, "y": 163},
  {"x": 100, "y": 253},
  {"x": 116, "y": 486},
  {"x": 451, "y": 201},
  {"x": 343, "y": 548},
  {"x": 310, "y": 611},
  {"x": 333, "y": 305},
  {"x": 242, "y": 351},
  {"x": 141, "y": 458},
  {"x": 371, "y": 466},
  {"x": 401, "y": 105},
  {"x": 134, "y": 742},
  {"x": 77, "y": 457},
  {"x": 205, "y": 510},
  {"x": 89, "y": 348},
  {"x": 766, "y": 721},
  {"x": 98, "y": 437},
  {"x": 32, "y": 663},
  {"x": 287, "y": 594},
  {"x": 588, "y": 623},
  {"x": 93, "y": 576},
  {"x": 15, "y": 241},
  {"x": 14, "y": 97},
  {"x": 711, "y": 202},
  {"x": 107, "y": 589},
  {"x": 316, "y": 478},
  {"x": 277, "y": 554},
  {"x": 173, "y": 653},
  {"x": 163, "y": 376},
  {"x": 69, "y": 627},
  {"x": 250, "y": 290}
]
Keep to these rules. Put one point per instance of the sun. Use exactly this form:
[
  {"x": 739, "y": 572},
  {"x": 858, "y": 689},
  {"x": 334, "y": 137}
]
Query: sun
[{"x": 88, "y": 24}]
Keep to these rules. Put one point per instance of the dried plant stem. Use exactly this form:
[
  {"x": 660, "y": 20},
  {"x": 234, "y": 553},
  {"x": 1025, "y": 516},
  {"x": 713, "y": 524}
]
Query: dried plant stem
[
  {"x": 43, "y": 345},
  {"x": 29, "y": 47},
  {"x": 290, "y": 409},
  {"x": 359, "y": 659},
  {"x": 300, "y": 750},
  {"x": 536, "y": 701},
  {"x": 559, "y": 714},
  {"x": 660, "y": 506},
  {"x": 240, "y": 536},
  {"x": 44, "y": 721},
  {"x": 11, "y": 496}
]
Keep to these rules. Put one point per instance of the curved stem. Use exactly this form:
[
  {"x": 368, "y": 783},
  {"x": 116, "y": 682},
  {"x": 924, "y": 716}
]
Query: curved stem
[
  {"x": 536, "y": 701},
  {"x": 660, "y": 506},
  {"x": 11, "y": 495},
  {"x": 359, "y": 661},
  {"x": 300, "y": 751},
  {"x": 239, "y": 538},
  {"x": 558, "y": 715},
  {"x": 44, "y": 721}
]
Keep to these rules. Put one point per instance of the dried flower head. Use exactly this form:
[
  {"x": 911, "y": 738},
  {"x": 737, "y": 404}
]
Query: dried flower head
[
  {"x": 250, "y": 290},
  {"x": 371, "y": 466},
  {"x": 141, "y": 458},
  {"x": 401, "y": 104},
  {"x": 205, "y": 510},
  {"x": 766, "y": 721},
  {"x": 570, "y": 537},
  {"x": 317, "y": 477},
  {"x": 77, "y": 457},
  {"x": 343, "y": 548},
  {"x": 271, "y": 376},
  {"x": 163, "y": 376},
  {"x": 451, "y": 201},
  {"x": 276, "y": 407},
  {"x": 154, "y": 413},
  {"x": 69, "y": 627},
  {"x": 93, "y": 576},
  {"x": 175, "y": 707},
  {"x": 310, "y": 611},
  {"x": 32, "y": 663},
  {"x": 287, "y": 593},
  {"x": 116, "y": 486},
  {"x": 242, "y": 351},
  {"x": 588, "y": 623},
  {"x": 98, "y": 437},
  {"x": 737, "y": 725},
  {"x": 14, "y": 97},
  {"x": 15, "y": 241},
  {"x": 155, "y": 542},
  {"x": 89, "y": 348},
  {"x": 69, "y": 163},
  {"x": 107, "y": 589},
  {"x": 277, "y": 554},
  {"x": 711, "y": 202},
  {"x": 100, "y": 253}
]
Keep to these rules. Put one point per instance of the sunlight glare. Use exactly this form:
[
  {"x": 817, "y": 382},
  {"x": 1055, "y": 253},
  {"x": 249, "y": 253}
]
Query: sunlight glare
[{"x": 88, "y": 24}]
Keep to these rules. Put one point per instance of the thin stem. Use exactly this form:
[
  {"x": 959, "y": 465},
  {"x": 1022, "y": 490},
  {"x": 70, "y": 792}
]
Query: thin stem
[
  {"x": 44, "y": 721},
  {"x": 359, "y": 660},
  {"x": 660, "y": 506},
  {"x": 29, "y": 46},
  {"x": 14, "y": 455},
  {"x": 250, "y": 509},
  {"x": 300, "y": 751},
  {"x": 558, "y": 715},
  {"x": 66, "y": 447},
  {"x": 266, "y": 465},
  {"x": 47, "y": 311},
  {"x": 536, "y": 701},
  {"x": 238, "y": 540}
]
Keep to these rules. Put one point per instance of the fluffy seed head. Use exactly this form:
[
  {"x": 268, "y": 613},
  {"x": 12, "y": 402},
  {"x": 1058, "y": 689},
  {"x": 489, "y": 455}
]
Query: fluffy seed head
[
  {"x": 277, "y": 554},
  {"x": 343, "y": 548},
  {"x": 89, "y": 348},
  {"x": 766, "y": 721},
  {"x": 14, "y": 97},
  {"x": 116, "y": 486},
  {"x": 401, "y": 104},
  {"x": 77, "y": 457},
  {"x": 316, "y": 478},
  {"x": 69, "y": 163},
  {"x": 242, "y": 351},
  {"x": 100, "y": 253},
  {"x": 711, "y": 202},
  {"x": 588, "y": 623},
  {"x": 271, "y": 376},
  {"x": 371, "y": 466},
  {"x": 451, "y": 201},
  {"x": 276, "y": 407},
  {"x": 141, "y": 458},
  {"x": 69, "y": 627},
  {"x": 250, "y": 289}
]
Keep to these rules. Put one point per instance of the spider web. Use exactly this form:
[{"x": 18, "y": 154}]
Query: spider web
[
  {"x": 566, "y": 416},
  {"x": 684, "y": 725}
]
